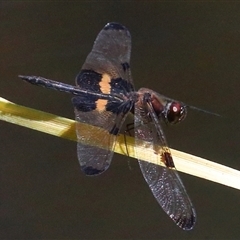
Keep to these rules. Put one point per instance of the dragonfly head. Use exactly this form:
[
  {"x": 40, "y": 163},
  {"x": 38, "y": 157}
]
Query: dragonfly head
[{"x": 174, "y": 112}]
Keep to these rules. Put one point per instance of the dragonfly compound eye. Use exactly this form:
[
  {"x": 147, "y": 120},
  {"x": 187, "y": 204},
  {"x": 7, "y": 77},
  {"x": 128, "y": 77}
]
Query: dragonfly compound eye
[{"x": 175, "y": 112}]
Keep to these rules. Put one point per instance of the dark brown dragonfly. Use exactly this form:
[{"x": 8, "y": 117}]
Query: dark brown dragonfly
[{"x": 103, "y": 97}]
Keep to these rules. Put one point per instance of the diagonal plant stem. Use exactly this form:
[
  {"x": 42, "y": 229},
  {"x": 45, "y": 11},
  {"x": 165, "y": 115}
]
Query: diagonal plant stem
[{"x": 65, "y": 128}]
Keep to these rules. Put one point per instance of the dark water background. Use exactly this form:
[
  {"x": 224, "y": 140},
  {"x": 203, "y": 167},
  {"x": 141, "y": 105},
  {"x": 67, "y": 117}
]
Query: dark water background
[{"x": 187, "y": 51}]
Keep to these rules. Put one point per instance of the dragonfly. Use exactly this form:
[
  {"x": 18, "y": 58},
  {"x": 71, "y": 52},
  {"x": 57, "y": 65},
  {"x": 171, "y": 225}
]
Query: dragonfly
[{"x": 103, "y": 97}]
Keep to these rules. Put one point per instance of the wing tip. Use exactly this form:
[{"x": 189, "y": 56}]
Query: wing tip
[
  {"x": 91, "y": 171},
  {"x": 114, "y": 26},
  {"x": 186, "y": 223}
]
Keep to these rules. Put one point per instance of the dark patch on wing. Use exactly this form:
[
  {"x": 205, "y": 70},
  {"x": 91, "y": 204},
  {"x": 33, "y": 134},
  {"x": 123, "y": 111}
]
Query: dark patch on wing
[
  {"x": 125, "y": 66},
  {"x": 114, "y": 26},
  {"x": 167, "y": 159},
  {"x": 115, "y": 130},
  {"x": 91, "y": 171},
  {"x": 118, "y": 107},
  {"x": 89, "y": 80},
  {"x": 120, "y": 86},
  {"x": 185, "y": 223},
  {"x": 85, "y": 103}
]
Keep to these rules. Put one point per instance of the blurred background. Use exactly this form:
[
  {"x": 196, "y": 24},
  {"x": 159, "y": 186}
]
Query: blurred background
[{"x": 186, "y": 51}]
